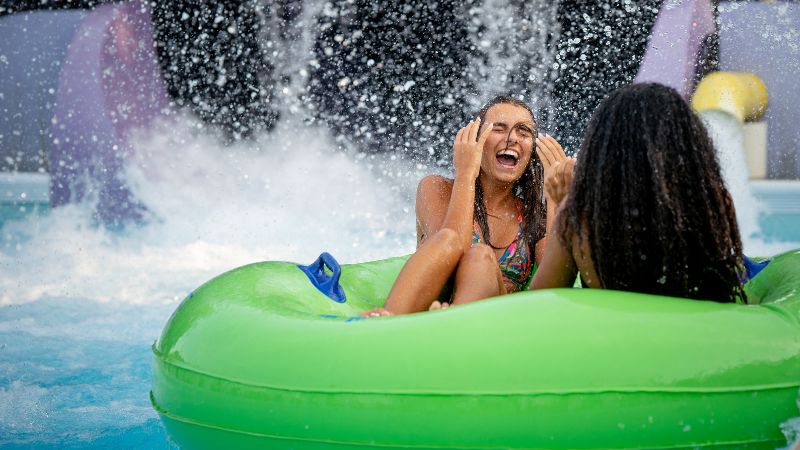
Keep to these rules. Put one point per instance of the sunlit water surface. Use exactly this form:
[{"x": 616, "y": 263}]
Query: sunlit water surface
[{"x": 82, "y": 305}]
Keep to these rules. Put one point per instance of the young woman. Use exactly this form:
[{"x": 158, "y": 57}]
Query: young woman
[
  {"x": 484, "y": 229},
  {"x": 647, "y": 210}
]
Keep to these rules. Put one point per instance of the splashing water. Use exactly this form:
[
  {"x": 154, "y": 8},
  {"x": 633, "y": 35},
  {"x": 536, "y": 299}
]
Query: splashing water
[
  {"x": 515, "y": 51},
  {"x": 285, "y": 196},
  {"x": 791, "y": 430},
  {"x": 83, "y": 304},
  {"x": 726, "y": 132}
]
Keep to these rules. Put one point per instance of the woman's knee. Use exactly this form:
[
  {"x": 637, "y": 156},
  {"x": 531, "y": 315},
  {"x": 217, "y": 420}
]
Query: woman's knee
[{"x": 479, "y": 254}]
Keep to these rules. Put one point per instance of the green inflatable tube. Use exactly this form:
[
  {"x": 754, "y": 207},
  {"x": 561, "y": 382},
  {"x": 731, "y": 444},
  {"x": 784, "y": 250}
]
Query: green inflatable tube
[{"x": 259, "y": 358}]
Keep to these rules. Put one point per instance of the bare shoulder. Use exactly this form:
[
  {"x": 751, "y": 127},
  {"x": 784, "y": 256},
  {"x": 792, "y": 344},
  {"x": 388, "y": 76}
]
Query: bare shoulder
[
  {"x": 433, "y": 197},
  {"x": 435, "y": 185},
  {"x": 434, "y": 192}
]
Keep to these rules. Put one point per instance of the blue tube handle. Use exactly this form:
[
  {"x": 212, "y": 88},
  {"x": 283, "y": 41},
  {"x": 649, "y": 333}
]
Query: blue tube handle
[
  {"x": 328, "y": 285},
  {"x": 753, "y": 267}
]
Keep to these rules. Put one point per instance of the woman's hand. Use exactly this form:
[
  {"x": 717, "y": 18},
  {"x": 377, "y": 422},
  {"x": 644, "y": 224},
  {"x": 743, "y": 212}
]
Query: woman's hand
[
  {"x": 549, "y": 151},
  {"x": 468, "y": 149},
  {"x": 558, "y": 180}
]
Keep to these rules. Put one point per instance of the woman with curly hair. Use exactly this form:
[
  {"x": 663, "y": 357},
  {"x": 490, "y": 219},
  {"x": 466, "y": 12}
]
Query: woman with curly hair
[{"x": 645, "y": 208}]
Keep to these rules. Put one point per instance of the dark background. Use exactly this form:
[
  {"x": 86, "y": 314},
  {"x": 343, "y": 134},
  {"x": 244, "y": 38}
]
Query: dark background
[{"x": 405, "y": 40}]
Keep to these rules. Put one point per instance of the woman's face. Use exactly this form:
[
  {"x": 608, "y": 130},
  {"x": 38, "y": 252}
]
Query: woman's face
[{"x": 509, "y": 147}]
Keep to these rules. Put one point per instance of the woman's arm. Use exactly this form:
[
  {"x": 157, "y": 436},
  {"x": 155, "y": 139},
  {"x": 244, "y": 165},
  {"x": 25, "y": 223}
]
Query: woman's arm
[
  {"x": 552, "y": 156},
  {"x": 433, "y": 198},
  {"x": 444, "y": 211},
  {"x": 442, "y": 203},
  {"x": 558, "y": 268}
]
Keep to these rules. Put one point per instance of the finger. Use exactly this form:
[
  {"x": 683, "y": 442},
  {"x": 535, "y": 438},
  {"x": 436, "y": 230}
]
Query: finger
[
  {"x": 445, "y": 305},
  {"x": 551, "y": 187},
  {"x": 552, "y": 146},
  {"x": 435, "y": 305},
  {"x": 566, "y": 169},
  {"x": 558, "y": 151},
  {"x": 550, "y": 176},
  {"x": 473, "y": 132},
  {"x": 458, "y": 135},
  {"x": 472, "y": 136},
  {"x": 467, "y": 130},
  {"x": 546, "y": 155},
  {"x": 570, "y": 169},
  {"x": 485, "y": 135},
  {"x": 562, "y": 172},
  {"x": 541, "y": 154}
]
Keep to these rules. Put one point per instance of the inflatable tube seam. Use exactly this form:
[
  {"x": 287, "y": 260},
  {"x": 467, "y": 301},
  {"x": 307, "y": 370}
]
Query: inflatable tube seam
[
  {"x": 473, "y": 393},
  {"x": 165, "y": 413}
]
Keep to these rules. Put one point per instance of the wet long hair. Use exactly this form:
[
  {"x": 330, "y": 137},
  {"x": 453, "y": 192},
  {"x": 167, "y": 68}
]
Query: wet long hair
[
  {"x": 528, "y": 188},
  {"x": 649, "y": 198}
]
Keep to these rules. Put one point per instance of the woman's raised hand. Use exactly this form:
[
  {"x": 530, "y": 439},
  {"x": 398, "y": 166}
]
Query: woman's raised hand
[
  {"x": 468, "y": 149},
  {"x": 558, "y": 180},
  {"x": 549, "y": 151}
]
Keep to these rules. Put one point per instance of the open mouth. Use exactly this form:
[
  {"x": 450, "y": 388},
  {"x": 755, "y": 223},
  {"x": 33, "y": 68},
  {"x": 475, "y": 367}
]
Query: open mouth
[{"x": 507, "y": 158}]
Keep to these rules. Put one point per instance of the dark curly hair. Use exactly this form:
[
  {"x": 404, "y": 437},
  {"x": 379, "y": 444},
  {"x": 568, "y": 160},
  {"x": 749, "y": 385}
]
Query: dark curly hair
[
  {"x": 528, "y": 188},
  {"x": 648, "y": 197}
]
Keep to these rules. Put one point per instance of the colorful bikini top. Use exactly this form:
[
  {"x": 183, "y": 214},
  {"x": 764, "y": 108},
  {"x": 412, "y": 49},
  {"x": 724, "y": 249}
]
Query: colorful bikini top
[{"x": 516, "y": 263}]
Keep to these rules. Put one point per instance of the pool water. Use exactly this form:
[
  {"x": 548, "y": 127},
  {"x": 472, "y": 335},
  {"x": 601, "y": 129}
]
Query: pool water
[
  {"x": 74, "y": 373},
  {"x": 780, "y": 222},
  {"x": 81, "y": 305}
]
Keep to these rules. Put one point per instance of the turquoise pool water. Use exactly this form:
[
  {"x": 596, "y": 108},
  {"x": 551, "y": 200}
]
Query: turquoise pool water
[
  {"x": 780, "y": 219},
  {"x": 80, "y": 306}
]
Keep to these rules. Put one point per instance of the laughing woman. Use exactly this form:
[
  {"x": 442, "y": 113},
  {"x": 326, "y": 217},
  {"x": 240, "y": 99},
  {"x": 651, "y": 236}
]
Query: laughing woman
[{"x": 480, "y": 234}]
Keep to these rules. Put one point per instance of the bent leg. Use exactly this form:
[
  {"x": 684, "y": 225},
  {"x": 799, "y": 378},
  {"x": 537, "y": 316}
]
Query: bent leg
[
  {"x": 425, "y": 273},
  {"x": 478, "y": 276}
]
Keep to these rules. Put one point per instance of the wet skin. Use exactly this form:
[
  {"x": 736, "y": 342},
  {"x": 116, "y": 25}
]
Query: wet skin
[{"x": 497, "y": 152}]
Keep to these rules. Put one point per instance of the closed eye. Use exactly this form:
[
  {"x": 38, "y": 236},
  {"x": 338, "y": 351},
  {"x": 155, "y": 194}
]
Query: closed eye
[{"x": 524, "y": 130}]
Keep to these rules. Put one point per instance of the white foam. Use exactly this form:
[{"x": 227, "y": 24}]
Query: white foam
[
  {"x": 791, "y": 430},
  {"x": 288, "y": 195},
  {"x": 726, "y": 132}
]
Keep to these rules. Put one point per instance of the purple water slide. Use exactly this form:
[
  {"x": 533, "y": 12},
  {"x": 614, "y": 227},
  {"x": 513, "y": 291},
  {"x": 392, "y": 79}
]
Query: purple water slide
[
  {"x": 110, "y": 85},
  {"x": 672, "y": 52}
]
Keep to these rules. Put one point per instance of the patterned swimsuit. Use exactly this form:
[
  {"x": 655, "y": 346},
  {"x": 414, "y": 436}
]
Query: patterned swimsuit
[{"x": 516, "y": 263}]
